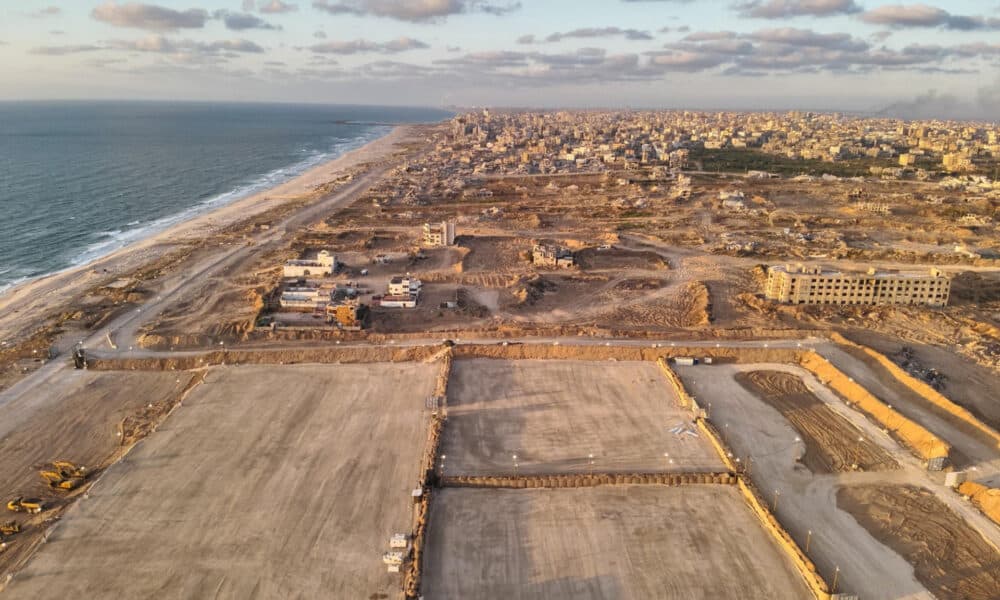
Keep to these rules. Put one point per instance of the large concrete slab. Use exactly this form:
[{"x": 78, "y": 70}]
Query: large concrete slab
[
  {"x": 553, "y": 414},
  {"x": 269, "y": 482},
  {"x": 623, "y": 542}
]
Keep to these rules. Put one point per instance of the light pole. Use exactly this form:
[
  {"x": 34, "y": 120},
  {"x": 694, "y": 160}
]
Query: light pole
[
  {"x": 774, "y": 507},
  {"x": 591, "y": 468},
  {"x": 836, "y": 576},
  {"x": 809, "y": 537},
  {"x": 515, "y": 465}
]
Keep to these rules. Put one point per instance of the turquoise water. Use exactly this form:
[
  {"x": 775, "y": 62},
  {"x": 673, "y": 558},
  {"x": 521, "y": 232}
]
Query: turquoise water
[{"x": 80, "y": 180}]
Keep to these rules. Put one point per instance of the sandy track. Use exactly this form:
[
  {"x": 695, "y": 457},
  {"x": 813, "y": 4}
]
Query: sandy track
[
  {"x": 267, "y": 482},
  {"x": 554, "y": 414},
  {"x": 949, "y": 557},
  {"x": 832, "y": 444},
  {"x": 603, "y": 543}
]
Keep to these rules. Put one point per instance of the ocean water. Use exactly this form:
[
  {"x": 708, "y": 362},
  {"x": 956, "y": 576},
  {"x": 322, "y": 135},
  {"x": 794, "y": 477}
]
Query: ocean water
[{"x": 80, "y": 180}]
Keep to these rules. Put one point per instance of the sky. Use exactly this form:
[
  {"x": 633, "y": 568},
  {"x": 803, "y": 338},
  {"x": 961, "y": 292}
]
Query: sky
[{"x": 915, "y": 60}]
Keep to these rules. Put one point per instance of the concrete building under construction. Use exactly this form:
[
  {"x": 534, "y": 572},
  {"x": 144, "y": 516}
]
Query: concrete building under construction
[{"x": 799, "y": 284}]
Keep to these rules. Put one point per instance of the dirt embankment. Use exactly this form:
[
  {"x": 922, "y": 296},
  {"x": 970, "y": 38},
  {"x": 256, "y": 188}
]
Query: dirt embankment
[
  {"x": 832, "y": 444},
  {"x": 511, "y": 351},
  {"x": 576, "y": 480},
  {"x": 949, "y": 557},
  {"x": 918, "y": 439}
]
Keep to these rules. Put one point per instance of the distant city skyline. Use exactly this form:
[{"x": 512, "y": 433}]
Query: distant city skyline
[{"x": 914, "y": 60}]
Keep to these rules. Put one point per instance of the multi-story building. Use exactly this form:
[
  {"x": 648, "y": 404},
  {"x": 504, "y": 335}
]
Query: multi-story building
[
  {"x": 799, "y": 284},
  {"x": 441, "y": 234}
]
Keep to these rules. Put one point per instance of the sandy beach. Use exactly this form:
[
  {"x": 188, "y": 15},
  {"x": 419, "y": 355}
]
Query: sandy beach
[{"x": 26, "y": 307}]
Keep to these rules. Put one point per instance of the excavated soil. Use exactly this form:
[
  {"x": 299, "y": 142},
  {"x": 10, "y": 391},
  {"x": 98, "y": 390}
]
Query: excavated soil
[
  {"x": 949, "y": 557},
  {"x": 831, "y": 442}
]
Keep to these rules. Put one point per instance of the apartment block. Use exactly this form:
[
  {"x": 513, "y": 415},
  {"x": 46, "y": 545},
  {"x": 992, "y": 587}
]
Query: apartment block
[{"x": 798, "y": 284}]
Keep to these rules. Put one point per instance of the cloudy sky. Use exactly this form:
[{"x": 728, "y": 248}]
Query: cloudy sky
[{"x": 941, "y": 58}]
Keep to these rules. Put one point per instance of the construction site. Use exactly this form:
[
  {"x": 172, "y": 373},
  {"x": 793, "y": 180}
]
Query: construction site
[
  {"x": 479, "y": 470},
  {"x": 424, "y": 381}
]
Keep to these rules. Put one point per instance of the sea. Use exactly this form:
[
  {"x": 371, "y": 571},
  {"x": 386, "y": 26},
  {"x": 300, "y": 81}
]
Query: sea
[{"x": 79, "y": 180}]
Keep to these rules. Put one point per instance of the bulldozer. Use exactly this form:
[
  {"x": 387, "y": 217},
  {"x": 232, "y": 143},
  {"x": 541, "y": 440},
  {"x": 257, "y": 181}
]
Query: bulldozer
[
  {"x": 57, "y": 481},
  {"x": 29, "y": 505}
]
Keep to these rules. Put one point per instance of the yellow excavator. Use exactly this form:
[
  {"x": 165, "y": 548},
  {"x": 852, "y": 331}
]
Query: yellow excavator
[
  {"x": 9, "y": 528},
  {"x": 69, "y": 470},
  {"x": 29, "y": 505},
  {"x": 57, "y": 481},
  {"x": 64, "y": 475}
]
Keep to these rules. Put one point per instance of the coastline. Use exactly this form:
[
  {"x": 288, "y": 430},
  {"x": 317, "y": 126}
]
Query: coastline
[{"x": 25, "y": 305}]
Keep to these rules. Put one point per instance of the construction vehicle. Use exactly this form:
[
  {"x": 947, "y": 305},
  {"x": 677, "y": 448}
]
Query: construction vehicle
[
  {"x": 9, "y": 528},
  {"x": 57, "y": 481},
  {"x": 29, "y": 505},
  {"x": 69, "y": 470}
]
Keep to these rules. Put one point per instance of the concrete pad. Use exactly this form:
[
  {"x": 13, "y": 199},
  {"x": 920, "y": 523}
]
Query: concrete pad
[
  {"x": 554, "y": 413},
  {"x": 619, "y": 542},
  {"x": 268, "y": 482}
]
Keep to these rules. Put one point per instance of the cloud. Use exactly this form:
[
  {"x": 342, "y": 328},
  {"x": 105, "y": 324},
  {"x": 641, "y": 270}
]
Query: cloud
[
  {"x": 589, "y": 32},
  {"x": 65, "y": 50},
  {"x": 48, "y": 11},
  {"x": 149, "y": 16},
  {"x": 277, "y": 7},
  {"x": 784, "y": 9},
  {"x": 414, "y": 10},
  {"x": 922, "y": 15},
  {"x": 163, "y": 45},
  {"x": 320, "y": 35},
  {"x": 401, "y": 44},
  {"x": 242, "y": 21}
]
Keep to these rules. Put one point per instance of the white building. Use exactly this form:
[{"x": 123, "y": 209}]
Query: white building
[
  {"x": 325, "y": 264},
  {"x": 404, "y": 286}
]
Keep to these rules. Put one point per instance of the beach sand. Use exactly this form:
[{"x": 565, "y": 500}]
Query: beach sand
[{"x": 27, "y": 307}]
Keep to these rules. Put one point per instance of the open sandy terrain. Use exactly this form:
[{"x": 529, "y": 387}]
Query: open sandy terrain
[
  {"x": 600, "y": 543},
  {"x": 267, "y": 482},
  {"x": 950, "y": 558},
  {"x": 554, "y": 414}
]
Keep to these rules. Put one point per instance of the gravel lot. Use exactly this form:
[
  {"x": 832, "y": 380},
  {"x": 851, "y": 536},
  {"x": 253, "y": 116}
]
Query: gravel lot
[
  {"x": 553, "y": 414},
  {"x": 268, "y": 482},
  {"x": 618, "y": 542}
]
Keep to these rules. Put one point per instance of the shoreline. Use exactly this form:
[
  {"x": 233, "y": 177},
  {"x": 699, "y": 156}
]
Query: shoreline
[{"x": 33, "y": 300}]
